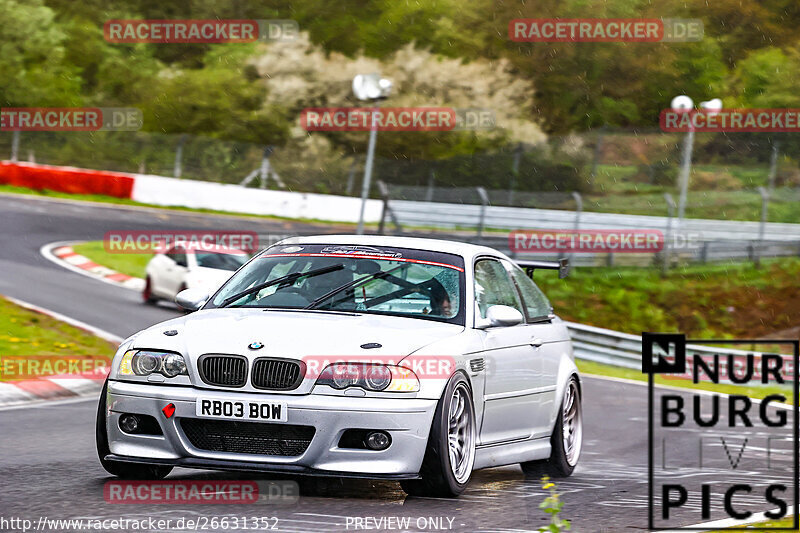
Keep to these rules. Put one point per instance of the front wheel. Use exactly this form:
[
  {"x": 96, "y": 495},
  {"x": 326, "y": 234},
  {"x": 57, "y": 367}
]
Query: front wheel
[
  {"x": 566, "y": 440},
  {"x": 116, "y": 468},
  {"x": 447, "y": 466}
]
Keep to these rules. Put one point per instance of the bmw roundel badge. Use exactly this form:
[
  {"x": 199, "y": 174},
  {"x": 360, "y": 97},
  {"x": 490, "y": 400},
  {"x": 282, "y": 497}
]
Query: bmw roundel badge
[{"x": 255, "y": 345}]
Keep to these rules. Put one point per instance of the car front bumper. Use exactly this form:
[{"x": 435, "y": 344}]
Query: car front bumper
[{"x": 407, "y": 421}]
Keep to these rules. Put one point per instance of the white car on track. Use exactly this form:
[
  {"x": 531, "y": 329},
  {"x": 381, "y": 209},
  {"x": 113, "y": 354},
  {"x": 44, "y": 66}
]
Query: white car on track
[
  {"x": 361, "y": 356},
  {"x": 175, "y": 269}
]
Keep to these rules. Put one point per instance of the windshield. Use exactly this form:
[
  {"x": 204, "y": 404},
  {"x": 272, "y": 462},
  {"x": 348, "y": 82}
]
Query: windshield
[
  {"x": 221, "y": 261},
  {"x": 391, "y": 281}
]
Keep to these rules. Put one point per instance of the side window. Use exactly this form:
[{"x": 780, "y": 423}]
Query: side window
[
  {"x": 534, "y": 300},
  {"x": 178, "y": 255},
  {"x": 493, "y": 286}
]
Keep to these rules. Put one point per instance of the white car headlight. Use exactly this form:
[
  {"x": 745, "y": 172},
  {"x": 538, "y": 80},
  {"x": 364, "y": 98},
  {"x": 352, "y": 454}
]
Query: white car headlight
[
  {"x": 369, "y": 376},
  {"x": 146, "y": 362}
]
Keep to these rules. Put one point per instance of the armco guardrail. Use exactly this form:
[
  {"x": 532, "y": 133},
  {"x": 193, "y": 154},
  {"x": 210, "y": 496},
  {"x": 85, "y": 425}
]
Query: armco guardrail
[
  {"x": 453, "y": 216},
  {"x": 606, "y": 346},
  {"x": 624, "y": 350}
]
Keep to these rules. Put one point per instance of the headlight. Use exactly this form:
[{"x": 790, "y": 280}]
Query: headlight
[
  {"x": 173, "y": 365},
  {"x": 146, "y": 362},
  {"x": 371, "y": 377}
]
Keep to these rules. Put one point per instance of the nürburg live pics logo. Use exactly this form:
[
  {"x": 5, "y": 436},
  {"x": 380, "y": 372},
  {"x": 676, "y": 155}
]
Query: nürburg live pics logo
[{"x": 718, "y": 457}]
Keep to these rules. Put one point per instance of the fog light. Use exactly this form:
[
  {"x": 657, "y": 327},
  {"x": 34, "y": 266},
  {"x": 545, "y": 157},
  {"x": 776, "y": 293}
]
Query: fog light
[
  {"x": 129, "y": 423},
  {"x": 377, "y": 440}
]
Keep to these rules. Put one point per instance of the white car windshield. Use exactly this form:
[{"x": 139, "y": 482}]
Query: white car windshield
[
  {"x": 221, "y": 261},
  {"x": 392, "y": 281}
]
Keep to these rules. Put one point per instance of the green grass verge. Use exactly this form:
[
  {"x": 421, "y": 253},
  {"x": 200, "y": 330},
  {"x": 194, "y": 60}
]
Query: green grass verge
[
  {"x": 25, "y": 333},
  {"x": 590, "y": 367},
  {"x": 723, "y": 300},
  {"x": 130, "y": 264}
]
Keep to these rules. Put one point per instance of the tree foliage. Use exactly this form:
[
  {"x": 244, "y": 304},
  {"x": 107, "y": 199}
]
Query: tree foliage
[{"x": 440, "y": 52}]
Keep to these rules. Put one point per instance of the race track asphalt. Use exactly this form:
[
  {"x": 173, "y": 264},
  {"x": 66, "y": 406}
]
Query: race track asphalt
[{"x": 49, "y": 468}]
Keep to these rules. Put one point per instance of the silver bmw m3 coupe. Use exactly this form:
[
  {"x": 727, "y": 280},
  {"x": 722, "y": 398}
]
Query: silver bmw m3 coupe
[{"x": 398, "y": 358}]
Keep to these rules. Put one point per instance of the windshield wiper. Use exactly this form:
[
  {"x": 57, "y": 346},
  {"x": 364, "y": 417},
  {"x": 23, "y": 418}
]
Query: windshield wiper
[
  {"x": 288, "y": 278},
  {"x": 354, "y": 283}
]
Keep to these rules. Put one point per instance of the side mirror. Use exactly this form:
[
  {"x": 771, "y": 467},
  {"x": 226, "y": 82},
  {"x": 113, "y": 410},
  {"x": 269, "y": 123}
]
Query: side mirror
[
  {"x": 192, "y": 299},
  {"x": 502, "y": 315}
]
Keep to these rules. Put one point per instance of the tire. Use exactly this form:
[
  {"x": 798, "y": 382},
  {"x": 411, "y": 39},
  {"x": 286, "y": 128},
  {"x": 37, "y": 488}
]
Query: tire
[
  {"x": 446, "y": 470},
  {"x": 147, "y": 292},
  {"x": 565, "y": 445},
  {"x": 116, "y": 468}
]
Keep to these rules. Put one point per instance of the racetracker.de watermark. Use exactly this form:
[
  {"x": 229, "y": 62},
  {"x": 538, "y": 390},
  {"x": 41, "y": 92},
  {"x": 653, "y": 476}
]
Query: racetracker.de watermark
[
  {"x": 396, "y": 119},
  {"x": 150, "y": 242},
  {"x": 629, "y": 30},
  {"x": 199, "y": 31},
  {"x": 70, "y": 119},
  {"x": 731, "y": 120},
  {"x": 187, "y": 491},
  {"x": 422, "y": 366},
  {"x": 34, "y": 366},
  {"x": 587, "y": 241}
]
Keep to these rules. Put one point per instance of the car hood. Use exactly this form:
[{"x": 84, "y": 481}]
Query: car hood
[{"x": 292, "y": 334}]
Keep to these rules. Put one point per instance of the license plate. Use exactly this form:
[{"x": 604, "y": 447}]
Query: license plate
[{"x": 241, "y": 410}]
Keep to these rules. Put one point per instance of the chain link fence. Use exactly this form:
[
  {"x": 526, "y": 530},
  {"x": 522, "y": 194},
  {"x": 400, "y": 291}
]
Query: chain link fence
[{"x": 614, "y": 171}]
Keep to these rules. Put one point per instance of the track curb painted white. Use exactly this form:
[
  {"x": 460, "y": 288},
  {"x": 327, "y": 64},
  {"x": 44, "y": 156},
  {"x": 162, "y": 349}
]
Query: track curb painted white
[
  {"x": 33, "y": 392},
  {"x": 61, "y": 253}
]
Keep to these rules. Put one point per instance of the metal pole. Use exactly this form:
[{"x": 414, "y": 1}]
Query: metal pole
[
  {"x": 373, "y": 134},
  {"x": 668, "y": 236},
  {"x": 15, "y": 146},
  {"x": 773, "y": 164},
  {"x": 762, "y": 226},
  {"x": 431, "y": 182},
  {"x": 484, "y": 202},
  {"x": 686, "y": 167}
]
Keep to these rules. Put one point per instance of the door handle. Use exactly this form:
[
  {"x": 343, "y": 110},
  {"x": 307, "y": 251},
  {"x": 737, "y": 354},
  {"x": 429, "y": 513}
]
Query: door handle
[{"x": 536, "y": 342}]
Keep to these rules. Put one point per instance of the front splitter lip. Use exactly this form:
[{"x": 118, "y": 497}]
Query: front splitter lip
[{"x": 216, "y": 464}]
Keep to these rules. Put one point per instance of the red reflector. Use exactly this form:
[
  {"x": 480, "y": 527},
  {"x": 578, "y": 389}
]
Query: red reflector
[{"x": 169, "y": 410}]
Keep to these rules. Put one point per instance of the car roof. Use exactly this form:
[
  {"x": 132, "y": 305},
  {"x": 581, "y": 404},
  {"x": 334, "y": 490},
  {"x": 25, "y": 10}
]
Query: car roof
[{"x": 466, "y": 250}]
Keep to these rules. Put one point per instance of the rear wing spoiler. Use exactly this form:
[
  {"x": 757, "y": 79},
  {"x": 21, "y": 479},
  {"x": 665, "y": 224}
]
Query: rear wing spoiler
[{"x": 562, "y": 265}]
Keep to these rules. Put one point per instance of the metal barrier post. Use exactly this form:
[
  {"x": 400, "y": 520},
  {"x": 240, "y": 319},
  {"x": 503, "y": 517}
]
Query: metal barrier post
[
  {"x": 578, "y": 210},
  {"x": 178, "y": 170},
  {"x": 704, "y": 252},
  {"x": 431, "y": 185},
  {"x": 484, "y": 202},
  {"x": 773, "y": 164},
  {"x": 265, "y": 168},
  {"x": 350, "y": 177},
  {"x": 383, "y": 190}
]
